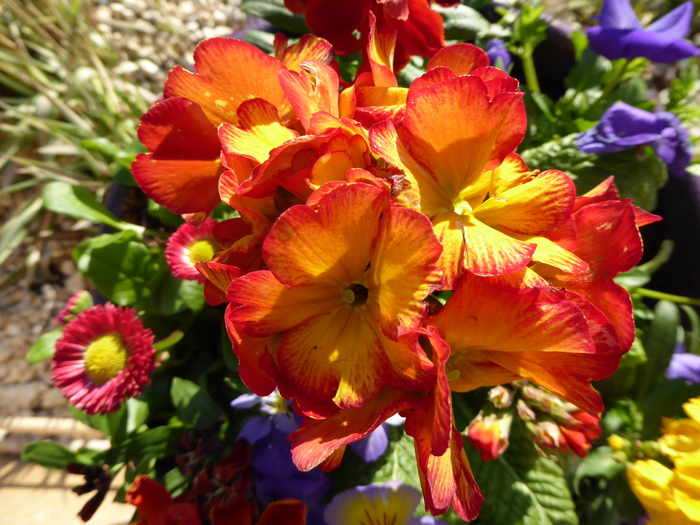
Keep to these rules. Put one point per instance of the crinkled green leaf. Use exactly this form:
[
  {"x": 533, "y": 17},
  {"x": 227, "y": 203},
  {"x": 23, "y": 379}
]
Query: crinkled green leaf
[
  {"x": 463, "y": 22},
  {"x": 193, "y": 404},
  {"x": 122, "y": 267},
  {"x": 175, "y": 295},
  {"x": 398, "y": 462},
  {"x": 638, "y": 178},
  {"x": 600, "y": 463},
  {"x": 560, "y": 154},
  {"x": 44, "y": 347},
  {"x": 522, "y": 487}
]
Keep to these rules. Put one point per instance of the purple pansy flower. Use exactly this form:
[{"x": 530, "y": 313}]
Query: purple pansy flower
[
  {"x": 391, "y": 502},
  {"x": 621, "y": 35},
  {"x": 684, "y": 365},
  {"x": 276, "y": 476},
  {"x": 497, "y": 51},
  {"x": 623, "y": 127}
]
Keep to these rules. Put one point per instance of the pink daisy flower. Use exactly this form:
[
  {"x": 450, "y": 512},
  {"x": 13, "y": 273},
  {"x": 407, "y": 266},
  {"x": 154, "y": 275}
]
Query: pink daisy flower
[
  {"x": 104, "y": 357},
  {"x": 190, "y": 245}
]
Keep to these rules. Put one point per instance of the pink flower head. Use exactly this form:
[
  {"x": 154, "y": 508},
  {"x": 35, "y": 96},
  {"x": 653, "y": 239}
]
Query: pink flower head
[
  {"x": 105, "y": 356},
  {"x": 190, "y": 245},
  {"x": 78, "y": 302}
]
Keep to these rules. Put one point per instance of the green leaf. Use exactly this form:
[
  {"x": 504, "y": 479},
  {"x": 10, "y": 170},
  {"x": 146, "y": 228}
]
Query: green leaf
[
  {"x": 635, "y": 278},
  {"x": 175, "y": 481},
  {"x": 400, "y": 463},
  {"x": 636, "y": 178},
  {"x": 561, "y": 154},
  {"x": 49, "y": 455},
  {"x": 193, "y": 404},
  {"x": 622, "y": 417},
  {"x": 136, "y": 414},
  {"x": 692, "y": 336},
  {"x": 274, "y": 12},
  {"x": 44, "y": 347},
  {"x": 599, "y": 463},
  {"x": 154, "y": 443},
  {"x": 463, "y": 22},
  {"x": 522, "y": 487},
  {"x": 122, "y": 267},
  {"x": 636, "y": 355},
  {"x": 79, "y": 203},
  {"x": 175, "y": 295},
  {"x": 659, "y": 342}
]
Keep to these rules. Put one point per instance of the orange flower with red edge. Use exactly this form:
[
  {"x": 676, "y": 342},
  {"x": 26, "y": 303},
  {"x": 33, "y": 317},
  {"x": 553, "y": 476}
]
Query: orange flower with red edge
[{"x": 345, "y": 282}]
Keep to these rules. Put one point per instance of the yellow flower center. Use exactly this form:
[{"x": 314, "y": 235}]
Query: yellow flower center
[
  {"x": 203, "y": 250},
  {"x": 105, "y": 357}
]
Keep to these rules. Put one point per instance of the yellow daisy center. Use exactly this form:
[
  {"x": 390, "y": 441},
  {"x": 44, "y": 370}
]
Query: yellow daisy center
[
  {"x": 105, "y": 357},
  {"x": 203, "y": 250}
]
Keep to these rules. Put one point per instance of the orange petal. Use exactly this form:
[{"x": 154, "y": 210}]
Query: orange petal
[
  {"x": 309, "y": 47},
  {"x": 380, "y": 52},
  {"x": 450, "y": 233},
  {"x": 446, "y": 479},
  {"x": 259, "y": 131},
  {"x": 182, "y": 172},
  {"x": 313, "y": 89},
  {"x": 490, "y": 252},
  {"x": 249, "y": 351},
  {"x": 315, "y": 439},
  {"x": 332, "y": 243},
  {"x": 403, "y": 270},
  {"x": 182, "y": 186},
  {"x": 451, "y": 129},
  {"x": 530, "y": 208},
  {"x": 229, "y": 72},
  {"x": 337, "y": 356},
  {"x": 461, "y": 59},
  {"x": 270, "y": 307}
]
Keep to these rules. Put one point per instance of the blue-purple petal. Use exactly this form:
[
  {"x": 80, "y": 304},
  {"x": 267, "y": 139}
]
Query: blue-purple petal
[
  {"x": 632, "y": 43},
  {"x": 372, "y": 447},
  {"x": 675, "y": 24},
  {"x": 495, "y": 49},
  {"x": 308, "y": 487},
  {"x": 246, "y": 401},
  {"x": 684, "y": 366},
  {"x": 618, "y": 14},
  {"x": 255, "y": 429}
]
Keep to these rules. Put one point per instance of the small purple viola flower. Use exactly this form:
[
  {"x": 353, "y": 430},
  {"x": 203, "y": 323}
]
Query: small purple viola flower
[
  {"x": 684, "y": 365},
  {"x": 497, "y": 51},
  {"x": 621, "y": 35},
  {"x": 623, "y": 127},
  {"x": 391, "y": 502},
  {"x": 276, "y": 476}
]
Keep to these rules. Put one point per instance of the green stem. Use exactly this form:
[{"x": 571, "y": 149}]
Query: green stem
[
  {"x": 678, "y": 299},
  {"x": 530, "y": 72}
]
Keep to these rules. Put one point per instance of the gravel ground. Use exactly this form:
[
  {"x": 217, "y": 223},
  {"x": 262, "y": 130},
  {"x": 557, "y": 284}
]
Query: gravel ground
[{"x": 151, "y": 36}]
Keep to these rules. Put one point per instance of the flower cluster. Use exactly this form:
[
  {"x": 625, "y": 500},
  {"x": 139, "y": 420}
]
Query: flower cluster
[
  {"x": 672, "y": 495},
  {"x": 548, "y": 421},
  {"x": 390, "y": 246}
]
